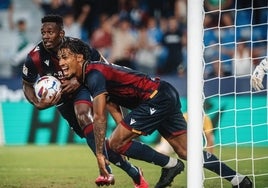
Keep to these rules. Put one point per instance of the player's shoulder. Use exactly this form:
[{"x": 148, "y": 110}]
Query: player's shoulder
[
  {"x": 36, "y": 49},
  {"x": 92, "y": 67},
  {"x": 102, "y": 65},
  {"x": 35, "y": 54}
]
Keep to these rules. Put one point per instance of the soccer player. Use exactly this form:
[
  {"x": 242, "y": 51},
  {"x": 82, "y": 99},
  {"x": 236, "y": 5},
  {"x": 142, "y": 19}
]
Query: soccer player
[
  {"x": 154, "y": 104},
  {"x": 258, "y": 74},
  {"x": 73, "y": 102}
]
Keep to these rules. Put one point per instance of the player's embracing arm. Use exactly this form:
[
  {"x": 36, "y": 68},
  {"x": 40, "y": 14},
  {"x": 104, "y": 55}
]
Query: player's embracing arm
[
  {"x": 29, "y": 76},
  {"x": 258, "y": 74}
]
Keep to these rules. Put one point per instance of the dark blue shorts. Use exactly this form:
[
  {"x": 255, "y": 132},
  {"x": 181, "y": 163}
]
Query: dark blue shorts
[
  {"x": 162, "y": 113},
  {"x": 66, "y": 108}
]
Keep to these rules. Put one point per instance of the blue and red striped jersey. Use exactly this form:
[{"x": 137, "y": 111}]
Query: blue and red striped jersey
[{"x": 123, "y": 85}]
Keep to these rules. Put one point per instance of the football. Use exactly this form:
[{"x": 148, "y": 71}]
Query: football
[{"x": 50, "y": 83}]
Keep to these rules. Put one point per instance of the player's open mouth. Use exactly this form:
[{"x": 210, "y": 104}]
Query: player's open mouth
[
  {"x": 65, "y": 71},
  {"x": 48, "y": 44}
]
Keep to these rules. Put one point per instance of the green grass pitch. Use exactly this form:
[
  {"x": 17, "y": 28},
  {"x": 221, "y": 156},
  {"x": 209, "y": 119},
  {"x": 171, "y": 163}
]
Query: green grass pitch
[{"x": 74, "y": 166}]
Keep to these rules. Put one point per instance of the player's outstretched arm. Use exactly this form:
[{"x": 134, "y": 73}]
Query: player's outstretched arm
[
  {"x": 99, "y": 128},
  {"x": 258, "y": 74}
]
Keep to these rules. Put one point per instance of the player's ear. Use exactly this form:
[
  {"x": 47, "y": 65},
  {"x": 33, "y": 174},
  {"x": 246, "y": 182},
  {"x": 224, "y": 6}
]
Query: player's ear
[
  {"x": 80, "y": 57},
  {"x": 62, "y": 33}
]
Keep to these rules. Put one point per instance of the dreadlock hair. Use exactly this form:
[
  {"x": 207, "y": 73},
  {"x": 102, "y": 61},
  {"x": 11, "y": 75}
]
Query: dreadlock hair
[
  {"x": 53, "y": 18},
  {"x": 76, "y": 46}
]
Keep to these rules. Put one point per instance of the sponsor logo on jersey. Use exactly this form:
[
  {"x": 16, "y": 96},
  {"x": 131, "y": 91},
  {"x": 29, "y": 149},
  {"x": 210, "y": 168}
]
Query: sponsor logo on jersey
[{"x": 60, "y": 75}]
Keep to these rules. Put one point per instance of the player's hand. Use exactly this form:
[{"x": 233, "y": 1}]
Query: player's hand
[
  {"x": 257, "y": 77},
  {"x": 102, "y": 165},
  {"x": 256, "y": 83},
  {"x": 46, "y": 102},
  {"x": 69, "y": 86},
  {"x": 258, "y": 74}
]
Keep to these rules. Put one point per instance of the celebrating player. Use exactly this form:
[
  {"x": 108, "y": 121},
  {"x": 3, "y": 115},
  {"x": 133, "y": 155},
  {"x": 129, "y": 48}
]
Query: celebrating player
[
  {"x": 74, "y": 103},
  {"x": 154, "y": 104}
]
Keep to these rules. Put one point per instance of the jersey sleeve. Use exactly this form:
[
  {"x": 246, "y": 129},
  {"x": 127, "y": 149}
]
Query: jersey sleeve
[
  {"x": 96, "y": 83},
  {"x": 29, "y": 71}
]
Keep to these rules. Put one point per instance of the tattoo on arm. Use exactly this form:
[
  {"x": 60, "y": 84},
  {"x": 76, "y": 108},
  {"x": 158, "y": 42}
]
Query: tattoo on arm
[
  {"x": 99, "y": 133},
  {"x": 99, "y": 122}
]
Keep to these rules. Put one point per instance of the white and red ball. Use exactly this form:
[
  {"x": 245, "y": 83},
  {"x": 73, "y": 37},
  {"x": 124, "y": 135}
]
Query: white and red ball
[{"x": 49, "y": 83}]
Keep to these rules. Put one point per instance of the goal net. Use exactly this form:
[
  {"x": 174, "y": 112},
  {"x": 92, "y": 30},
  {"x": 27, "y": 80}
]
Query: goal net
[{"x": 234, "y": 42}]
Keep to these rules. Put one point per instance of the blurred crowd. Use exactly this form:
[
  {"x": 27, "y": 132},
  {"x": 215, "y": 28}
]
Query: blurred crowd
[
  {"x": 235, "y": 38},
  {"x": 147, "y": 35}
]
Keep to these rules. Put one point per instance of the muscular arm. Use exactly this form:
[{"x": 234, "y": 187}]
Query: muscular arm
[{"x": 99, "y": 127}]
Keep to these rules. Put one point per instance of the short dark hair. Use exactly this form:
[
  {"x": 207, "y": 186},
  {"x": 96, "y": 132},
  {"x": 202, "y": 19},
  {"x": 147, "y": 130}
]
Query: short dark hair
[
  {"x": 76, "y": 46},
  {"x": 53, "y": 18}
]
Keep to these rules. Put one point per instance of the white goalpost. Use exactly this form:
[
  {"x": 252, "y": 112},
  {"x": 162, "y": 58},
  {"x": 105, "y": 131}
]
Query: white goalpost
[
  {"x": 194, "y": 93},
  {"x": 226, "y": 41}
]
